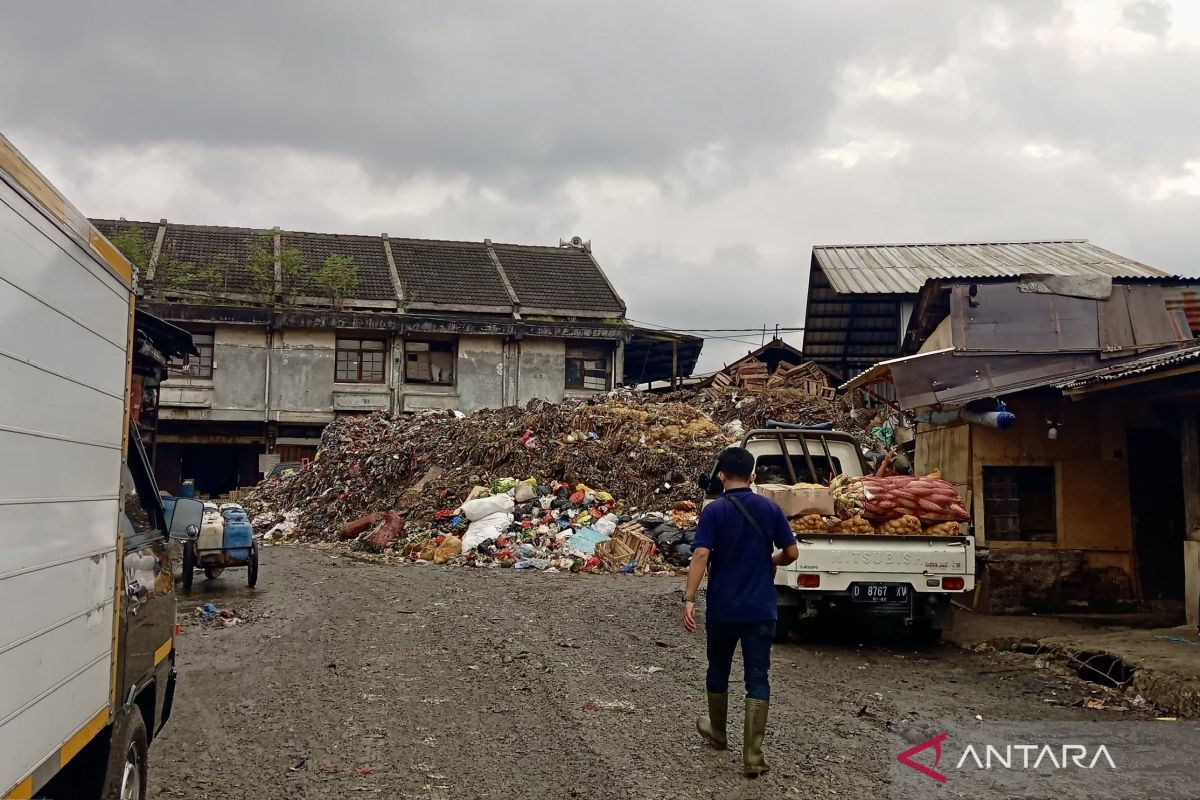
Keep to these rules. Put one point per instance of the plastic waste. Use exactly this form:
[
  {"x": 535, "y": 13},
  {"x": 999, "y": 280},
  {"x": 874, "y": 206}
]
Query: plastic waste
[
  {"x": 607, "y": 524},
  {"x": 475, "y": 510},
  {"x": 486, "y": 529},
  {"x": 450, "y": 547}
]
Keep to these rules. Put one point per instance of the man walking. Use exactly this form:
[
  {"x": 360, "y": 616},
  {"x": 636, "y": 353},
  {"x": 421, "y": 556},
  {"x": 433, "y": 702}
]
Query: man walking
[{"x": 736, "y": 542}]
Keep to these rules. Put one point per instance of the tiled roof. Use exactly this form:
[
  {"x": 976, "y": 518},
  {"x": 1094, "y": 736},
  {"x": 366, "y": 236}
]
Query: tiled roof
[
  {"x": 374, "y": 276},
  {"x": 450, "y": 273},
  {"x": 114, "y": 227},
  {"x": 431, "y": 271},
  {"x": 904, "y": 268},
  {"x": 557, "y": 278},
  {"x": 218, "y": 257}
]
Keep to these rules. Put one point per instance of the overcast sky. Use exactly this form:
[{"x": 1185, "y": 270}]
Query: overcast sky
[{"x": 703, "y": 147}]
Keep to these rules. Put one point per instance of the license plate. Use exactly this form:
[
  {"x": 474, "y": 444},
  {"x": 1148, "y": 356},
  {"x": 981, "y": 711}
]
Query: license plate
[{"x": 878, "y": 593}]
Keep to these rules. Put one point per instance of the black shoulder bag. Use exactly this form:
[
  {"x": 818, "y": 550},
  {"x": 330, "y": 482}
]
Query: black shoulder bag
[{"x": 753, "y": 522}]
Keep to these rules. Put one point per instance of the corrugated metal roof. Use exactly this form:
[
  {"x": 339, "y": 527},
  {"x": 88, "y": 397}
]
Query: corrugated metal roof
[
  {"x": 904, "y": 268},
  {"x": 1137, "y": 366}
]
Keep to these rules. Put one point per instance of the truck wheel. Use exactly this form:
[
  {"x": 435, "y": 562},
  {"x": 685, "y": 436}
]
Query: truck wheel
[
  {"x": 252, "y": 571},
  {"x": 788, "y": 617},
  {"x": 925, "y": 634},
  {"x": 189, "y": 565},
  {"x": 127, "y": 771},
  {"x": 212, "y": 573}
]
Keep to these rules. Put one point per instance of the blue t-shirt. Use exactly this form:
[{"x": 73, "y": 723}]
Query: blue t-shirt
[{"x": 741, "y": 577}]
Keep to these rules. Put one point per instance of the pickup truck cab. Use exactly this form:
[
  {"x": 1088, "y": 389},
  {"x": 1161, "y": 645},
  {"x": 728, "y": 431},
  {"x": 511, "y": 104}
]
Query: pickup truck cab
[{"x": 908, "y": 580}]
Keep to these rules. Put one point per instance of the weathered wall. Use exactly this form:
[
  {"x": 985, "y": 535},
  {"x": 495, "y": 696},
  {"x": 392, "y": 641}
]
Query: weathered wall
[
  {"x": 302, "y": 366},
  {"x": 542, "y": 370},
  {"x": 946, "y": 448},
  {"x": 479, "y": 378},
  {"x": 1092, "y": 487},
  {"x": 1091, "y": 563},
  {"x": 491, "y": 372},
  {"x": 239, "y": 368}
]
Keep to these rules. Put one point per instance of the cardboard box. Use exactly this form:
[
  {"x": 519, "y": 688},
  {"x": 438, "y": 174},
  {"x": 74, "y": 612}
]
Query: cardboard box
[{"x": 796, "y": 501}]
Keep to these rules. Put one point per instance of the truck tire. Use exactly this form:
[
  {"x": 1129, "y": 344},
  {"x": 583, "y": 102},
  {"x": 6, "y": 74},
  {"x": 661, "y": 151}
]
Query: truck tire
[
  {"x": 252, "y": 569},
  {"x": 789, "y": 616},
  {"x": 925, "y": 633},
  {"x": 127, "y": 773},
  {"x": 189, "y": 565}
]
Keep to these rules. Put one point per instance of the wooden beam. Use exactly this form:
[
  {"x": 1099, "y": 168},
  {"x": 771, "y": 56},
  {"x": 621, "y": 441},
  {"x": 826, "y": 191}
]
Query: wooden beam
[
  {"x": 1189, "y": 445},
  {"x": 674, "y": 364}
]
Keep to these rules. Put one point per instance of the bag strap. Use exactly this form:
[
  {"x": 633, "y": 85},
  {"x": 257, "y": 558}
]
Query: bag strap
[{"x": 753, "y": 522}]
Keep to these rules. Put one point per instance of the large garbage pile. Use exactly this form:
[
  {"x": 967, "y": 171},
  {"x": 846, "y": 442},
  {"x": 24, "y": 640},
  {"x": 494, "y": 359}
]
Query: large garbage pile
[{"x": 576, "y": 485}]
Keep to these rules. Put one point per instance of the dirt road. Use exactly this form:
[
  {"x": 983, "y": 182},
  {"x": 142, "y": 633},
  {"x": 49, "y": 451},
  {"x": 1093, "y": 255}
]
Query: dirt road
[{"x": 357, "y": 680}]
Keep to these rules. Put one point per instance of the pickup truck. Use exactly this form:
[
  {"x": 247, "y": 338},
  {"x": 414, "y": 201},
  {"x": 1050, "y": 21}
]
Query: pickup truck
[{"x": 909, "y": 580}]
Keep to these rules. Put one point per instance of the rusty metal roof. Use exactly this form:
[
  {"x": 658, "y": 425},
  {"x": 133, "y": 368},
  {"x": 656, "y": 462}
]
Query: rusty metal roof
[
  {"x": 1137, "y": 366},
  {"x": 904, "y": 268}
]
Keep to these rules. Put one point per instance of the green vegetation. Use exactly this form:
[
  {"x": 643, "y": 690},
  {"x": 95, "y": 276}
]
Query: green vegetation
[
  {"x": 137, "y": 246},
  {"x": 338, "y": 278}
]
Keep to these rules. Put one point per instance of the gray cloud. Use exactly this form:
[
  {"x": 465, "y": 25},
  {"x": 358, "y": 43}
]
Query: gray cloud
[
  {"x": 703, "y": 146},
  {"x": 1147, "y": 16}
]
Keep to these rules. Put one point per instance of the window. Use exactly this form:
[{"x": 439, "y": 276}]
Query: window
[
  {"x": 429, "y": 362},
  {"x": 200, "y": 366},
  {"x": 589, "y": 368},
  {"x": 773, "y": 469},
  {"x": 1019, "y": 504},
  {"x": 360, "y": 360}
]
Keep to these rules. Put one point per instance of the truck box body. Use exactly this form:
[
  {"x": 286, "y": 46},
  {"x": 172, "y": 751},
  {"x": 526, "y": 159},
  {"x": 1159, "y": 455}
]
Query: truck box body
[
  {"x": 64, "y": 333},
  {"x": 86, "y": 641}
]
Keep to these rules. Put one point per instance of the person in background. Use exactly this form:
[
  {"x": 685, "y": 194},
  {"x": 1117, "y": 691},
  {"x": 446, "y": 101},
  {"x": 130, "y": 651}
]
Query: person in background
[{"x": 742, "y": 538}]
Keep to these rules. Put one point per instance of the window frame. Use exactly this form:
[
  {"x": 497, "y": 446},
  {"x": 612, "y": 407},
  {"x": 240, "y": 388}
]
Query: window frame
[
  {"x": 183, "y": 367},
  {"x": 358, "y": 350},
  {"x": 432, "y": 345},
  {"x": 607, "y": 354},
  {"x": 1039, "y": 538}
]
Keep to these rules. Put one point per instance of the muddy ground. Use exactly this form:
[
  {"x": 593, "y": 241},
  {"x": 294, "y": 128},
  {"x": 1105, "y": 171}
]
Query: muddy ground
[{"x": 353, "y": 680}]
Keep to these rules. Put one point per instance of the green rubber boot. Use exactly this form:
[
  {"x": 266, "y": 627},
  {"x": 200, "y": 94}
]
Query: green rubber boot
[
  {"x": 712, "y": 725},
  {"x": 756, "y": 727}
]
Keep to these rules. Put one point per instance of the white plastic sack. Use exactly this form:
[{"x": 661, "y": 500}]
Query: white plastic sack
[
  {"x": 490, "y": 527},
  {"x": 475, "y": 510},
  {"x": 607, "y": 524},
  {"x": 524, "y": 492}
]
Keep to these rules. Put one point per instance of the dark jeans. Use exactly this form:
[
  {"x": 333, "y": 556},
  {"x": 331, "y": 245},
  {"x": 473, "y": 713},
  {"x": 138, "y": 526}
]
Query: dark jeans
[{"x": 756, "y": 638}]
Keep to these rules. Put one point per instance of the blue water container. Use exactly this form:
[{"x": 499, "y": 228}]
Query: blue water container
[
  {"x": 188, "y": 488},
  {"x": 239, "y": 536}
]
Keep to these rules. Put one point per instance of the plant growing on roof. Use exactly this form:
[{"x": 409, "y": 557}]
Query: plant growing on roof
[
  {"x": 338, "y": 278},
  {"x": 293, "y": 269},
  {"x": 137, "y": 246}
]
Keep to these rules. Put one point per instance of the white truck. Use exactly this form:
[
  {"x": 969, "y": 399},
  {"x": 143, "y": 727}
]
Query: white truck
[
  {"x": 907, "y": 579},
  {"x": 87, "y": 639}
]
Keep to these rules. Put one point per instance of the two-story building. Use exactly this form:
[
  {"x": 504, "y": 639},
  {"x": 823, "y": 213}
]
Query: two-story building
[{"x": 296, "y": 328}]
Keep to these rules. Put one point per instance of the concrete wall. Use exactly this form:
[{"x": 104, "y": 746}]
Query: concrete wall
[
  {"x": 302, "y": 367},
  {"x": 479, "y": 382},
  {"x": 491, "y": 372},
  {"x": 543, "y": 370}
]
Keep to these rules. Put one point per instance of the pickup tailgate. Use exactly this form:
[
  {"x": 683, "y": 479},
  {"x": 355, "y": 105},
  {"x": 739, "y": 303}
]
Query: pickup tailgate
[{"x": 892, "y": 555}]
